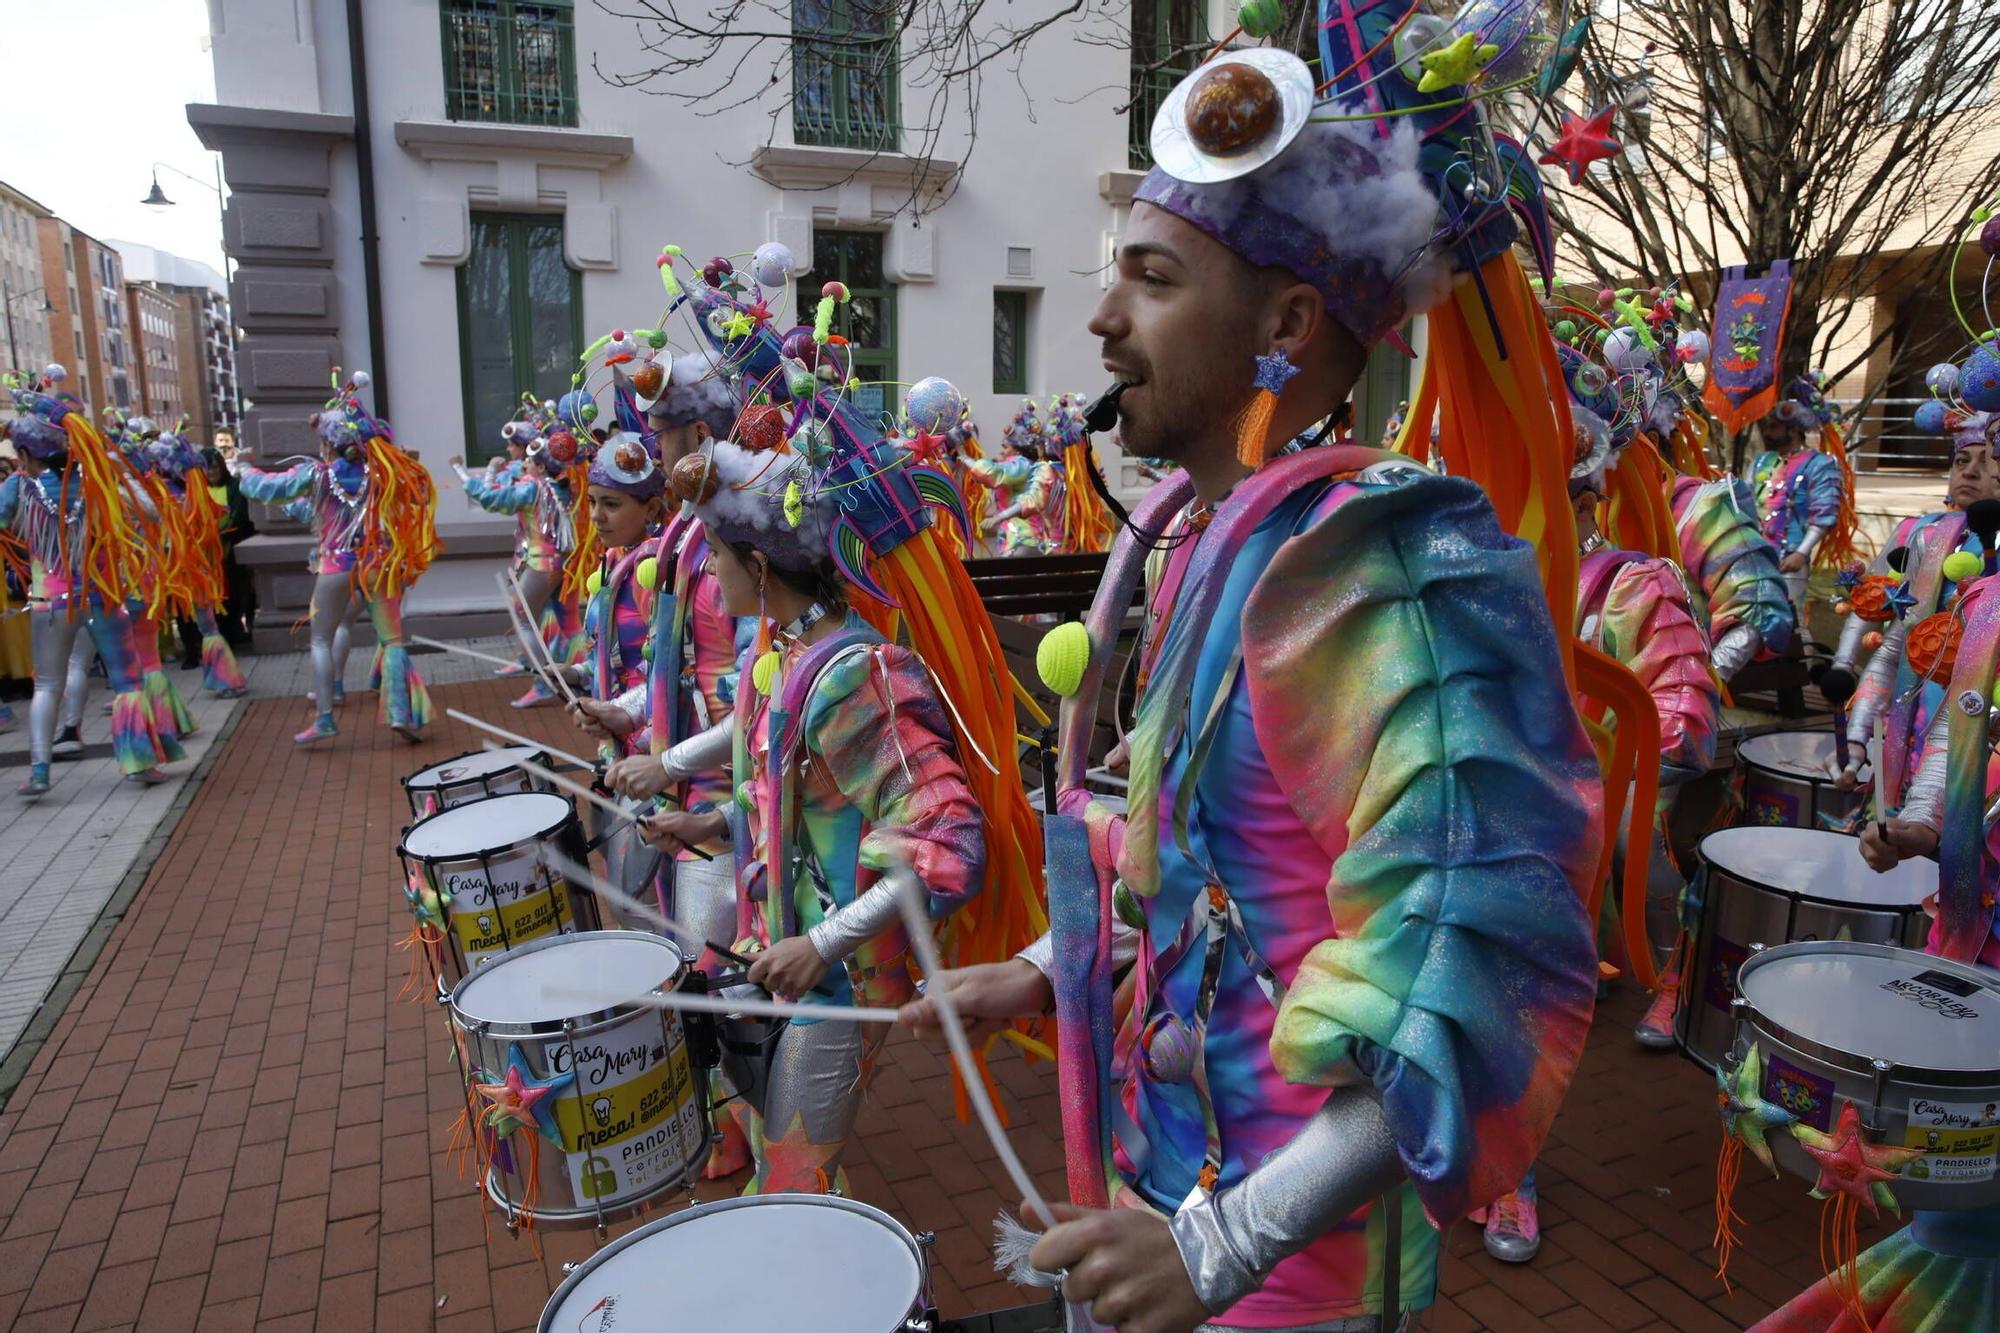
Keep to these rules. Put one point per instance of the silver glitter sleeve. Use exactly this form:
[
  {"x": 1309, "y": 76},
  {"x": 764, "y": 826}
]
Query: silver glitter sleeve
[
  {"x": 1810, "y": 541},
  {"x": 1923, "y": 803},
  {"x": 1042, "y": 953},
  {"x": 705, "y": 751},
  {"x": 857, "y": 923},
  {"x": 1878, "y": 683},
  {"x": 633, "y": 703},
  {"x": 1735, "y": 649},
  {"x": 1343, "y": 1157},
  {"x": 1849, "y": 651}
]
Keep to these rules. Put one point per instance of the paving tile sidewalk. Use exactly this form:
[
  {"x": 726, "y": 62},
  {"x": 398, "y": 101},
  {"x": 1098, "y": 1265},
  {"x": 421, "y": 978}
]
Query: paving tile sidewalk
[{"x": 237, "y": 1125}]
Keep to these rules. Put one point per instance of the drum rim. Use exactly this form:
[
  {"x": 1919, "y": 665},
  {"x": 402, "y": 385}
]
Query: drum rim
[
  {"x": 474, "y": 853},
  {"x": 576, "y": 1025},
  {"x": 700, "y": 1210},
  {"x": 410, "y": 782},
  {"x": 1746, "y": 1011},
  {"x": 1815, "y": 780}
]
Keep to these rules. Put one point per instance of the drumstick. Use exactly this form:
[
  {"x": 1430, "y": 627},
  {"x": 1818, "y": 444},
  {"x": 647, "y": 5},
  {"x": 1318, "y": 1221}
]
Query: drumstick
[
  {"x": 917, "y": 921},
  {"x": 460, "y": 649},
  {"x": 646, "y": 911},
  {"x": 722, "y": 1004},
  {"x": 531, "y": 642},
  {"x": 505, "y": 734},
  {"x": 608, "y": 807}
]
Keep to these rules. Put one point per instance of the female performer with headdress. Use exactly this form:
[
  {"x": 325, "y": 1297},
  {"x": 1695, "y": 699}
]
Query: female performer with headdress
[
  {"x": 66, "y": 504},
  {"x": 373, "y": 514},
  {"x": 1020, "y": 483},
  {"x": 198, "y": 533},
  {"x": 1807, "y": 491}
]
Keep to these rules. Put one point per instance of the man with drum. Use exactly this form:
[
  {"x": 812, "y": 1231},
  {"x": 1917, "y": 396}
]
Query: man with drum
[{"x": 1363, "y": 986}]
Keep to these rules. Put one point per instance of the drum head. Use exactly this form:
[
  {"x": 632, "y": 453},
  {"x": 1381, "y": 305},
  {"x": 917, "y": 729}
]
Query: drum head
[
  {"x": 615, "y": 966},
  {"x": 845, "y": 1266},
  {"x": 478, "y": 764},
  {"x": 1876, "y": 1002},
  {"x": 486, "y": 826},
  {"x": 1802, "y": 754},
  {"x": 1815, "y": 864}
]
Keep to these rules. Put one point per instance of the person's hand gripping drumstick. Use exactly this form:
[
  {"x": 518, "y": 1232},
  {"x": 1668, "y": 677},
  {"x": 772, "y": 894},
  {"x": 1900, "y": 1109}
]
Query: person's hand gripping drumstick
[{"x": 1886, "y": 843}]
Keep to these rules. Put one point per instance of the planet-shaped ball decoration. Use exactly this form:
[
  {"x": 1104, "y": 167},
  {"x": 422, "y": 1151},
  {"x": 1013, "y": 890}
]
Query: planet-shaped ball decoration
[
  {"x": 1625, "y": 350},
  {"x": 935, "y": 405},
  {"x": 1591, "y": 380},
  {"x": 1989, "y": 238},
  {"x": 1515, "y": 27},
  {"x": 1962, "y": 565},
  {"x": 1691, "y": 347},
  {"x": 1979, "y": 382},
  {"x": 1419, "y": 34},
  {"x": 1260, "y": 18},
  {"x": 799, "y": 345},
  {"x": 761, "y": 428},
  {"x": 693, "y": 479},
  {"x": 773, "y": 264},
  {"x": 1942, "y": 379},
  {"x": 1231, "y": 108},
  {"x": 1929, "y": 417},
  {"x": 649, "y": 379},
  {"x": 715, "y": 270}
]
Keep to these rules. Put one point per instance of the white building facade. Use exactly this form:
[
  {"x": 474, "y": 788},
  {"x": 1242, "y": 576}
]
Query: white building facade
[{"x": 22, "y": 287}]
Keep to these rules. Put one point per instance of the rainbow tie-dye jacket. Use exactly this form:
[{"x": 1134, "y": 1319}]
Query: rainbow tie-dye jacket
[
  {"x": 1800, "y": 492},
  {"x": 1732, "y": 568},
  {"x": 1638, "y": 612},
  {"x": 1398, "y": 798}
]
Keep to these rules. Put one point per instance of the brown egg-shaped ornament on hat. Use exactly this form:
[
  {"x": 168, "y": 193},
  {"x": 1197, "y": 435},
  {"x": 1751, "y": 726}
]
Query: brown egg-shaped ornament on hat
[{"x": 1232, "y": 115}]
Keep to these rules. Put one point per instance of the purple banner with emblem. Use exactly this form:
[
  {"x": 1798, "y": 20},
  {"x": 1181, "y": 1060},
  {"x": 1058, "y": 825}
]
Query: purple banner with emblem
[{"x": 1747, "y": 344}]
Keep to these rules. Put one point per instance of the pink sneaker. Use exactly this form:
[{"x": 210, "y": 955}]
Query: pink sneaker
[
  {"x": 535, "y": 698},
  {"x": 321, "y": 729},
  {"x": 1513, "y": 1231},
  {"x": 1656, "y": 1029}
]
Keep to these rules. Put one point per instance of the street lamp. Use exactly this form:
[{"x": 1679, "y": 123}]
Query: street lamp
[
  {"x": 7, "y": 297},
  {"x": 156, "y": 199}
]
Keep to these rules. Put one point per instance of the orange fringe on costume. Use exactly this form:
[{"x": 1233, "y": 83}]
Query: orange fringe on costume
[
  {"x": 1637, "y": 516},
  {"x": 1087, "y": 525},
  {"x": 588, "y": 553},
  {"x": 1844, "y": 544},
  {"x": 113, "y": 549},
  {"x": 400, "y": 539},
  {"x": 202, "y": 524},
  {"x": 1502, "y": 409}
]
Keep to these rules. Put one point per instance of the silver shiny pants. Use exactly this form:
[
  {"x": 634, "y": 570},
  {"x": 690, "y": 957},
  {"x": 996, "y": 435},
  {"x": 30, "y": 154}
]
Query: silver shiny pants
[{"x": 334, "y": 607}]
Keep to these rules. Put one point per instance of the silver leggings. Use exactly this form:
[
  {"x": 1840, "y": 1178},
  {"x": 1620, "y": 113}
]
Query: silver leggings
[
  {"x": 704, "y": 898},
  {"x": 818, "y": 1074},
  {"x": 334, "y": 607},
  {"x": 62, "y": 665}
]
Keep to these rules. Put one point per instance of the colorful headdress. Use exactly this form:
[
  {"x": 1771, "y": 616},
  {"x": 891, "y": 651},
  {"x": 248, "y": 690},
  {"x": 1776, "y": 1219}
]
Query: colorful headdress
[
  {"x": 344, "y": 423},
  {"x": 693, "y": 389},
  {"x": 1805, "y": 403},
  {"x": 766, "y": 500}
]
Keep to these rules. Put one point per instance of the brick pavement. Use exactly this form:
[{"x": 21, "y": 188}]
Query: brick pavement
[{"x": 236, "y": 1125}]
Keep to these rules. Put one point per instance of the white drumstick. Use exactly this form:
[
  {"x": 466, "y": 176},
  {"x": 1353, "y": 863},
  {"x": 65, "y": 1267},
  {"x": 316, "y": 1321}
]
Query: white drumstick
[
  {"x": 643, "y": 910},
  {"x": 723, "y": 1004},
  {"x": 539, "y": 657},
  {"x": 518, "y": 739},
  {"x": 611, "y": 808},
  {"x": 916, "y": 919},
  {"x": 460, "y": 649}
]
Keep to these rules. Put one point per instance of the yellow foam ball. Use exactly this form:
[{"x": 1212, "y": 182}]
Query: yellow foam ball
[
  {"x": 765, "y": 670},
  {"x": 594, "y": 582},
  {"x": 1061, "y": 657},
  {"x": 1962, "y": 565},
  {"x": 648, "y": 573}
]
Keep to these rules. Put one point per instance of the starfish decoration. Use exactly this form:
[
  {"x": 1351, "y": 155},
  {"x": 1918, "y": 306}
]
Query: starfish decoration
[
  {"x": 515, "y": 1101},
  {"x": 1451, "y": 66},
  {"x": 1274, "y": 371},
  {"x": 795, "y": 1162},
  {"x": 1583, "y": 142},
  {"x": 1632, "y": 313},
  {"x": 926, "y": 447},
  {"x": 1745, "y": 1113},
  {"x": 759, "y": 312},
  {"x": 738, "y": 325},
  {"x": 1901, "y": 599},
  {"x": 1849, "y": 1164}
]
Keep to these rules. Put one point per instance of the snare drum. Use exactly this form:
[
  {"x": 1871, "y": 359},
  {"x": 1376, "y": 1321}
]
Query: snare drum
[
  {"x": 624, "y": 1118},
  {"x": 846, "y": 1266},
  {"x": 1912, "y": 1040},
  {"x": 482, "y": 872},
  {"x": 472, "y": 776},
  {"x": 1787, "y": 782},
  {"x": 1777, "y": 885}
]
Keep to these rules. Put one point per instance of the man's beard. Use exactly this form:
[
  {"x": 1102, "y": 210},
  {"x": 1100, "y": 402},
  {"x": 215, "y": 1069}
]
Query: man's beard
[{"x": 1175, "y": 418}]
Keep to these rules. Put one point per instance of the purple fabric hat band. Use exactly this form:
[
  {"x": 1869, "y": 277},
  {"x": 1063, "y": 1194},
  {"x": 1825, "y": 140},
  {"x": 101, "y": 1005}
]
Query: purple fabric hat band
[
  {"x": 1342, "y": 208},
  {"x": 623, "y": 463}
]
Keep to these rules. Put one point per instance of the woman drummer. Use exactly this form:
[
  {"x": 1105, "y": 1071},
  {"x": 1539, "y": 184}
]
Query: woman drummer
[{"x": 842, "y": 733}]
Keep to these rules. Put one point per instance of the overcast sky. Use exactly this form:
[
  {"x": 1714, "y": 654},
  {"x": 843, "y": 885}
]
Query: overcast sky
[{"x": 97, "y": 90}]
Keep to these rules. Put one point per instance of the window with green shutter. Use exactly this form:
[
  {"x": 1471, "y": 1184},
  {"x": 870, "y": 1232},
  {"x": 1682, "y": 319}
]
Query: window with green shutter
[
  {"x": 1169, "y": 38},
  {"x": 511, "y": 62},
  {"x": 868, "y": 319},
  {"x": 520, "y": 314},
  {"x": 844, "y": 74},
  {"x": 1010, "y": 342}
]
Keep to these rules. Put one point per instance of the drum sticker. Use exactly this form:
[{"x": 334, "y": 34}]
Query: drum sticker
[
  {"x": 1960, "y": 1140},
  {"x": 1805, "y": 1094},
  {"x": 631, "y": 1121},
  {"x": 1725, "y": 959},
  {"x": 507, "y": 904},
  {"x": 1774, "y": 810},
  {"x": 1935, "y": 991}
]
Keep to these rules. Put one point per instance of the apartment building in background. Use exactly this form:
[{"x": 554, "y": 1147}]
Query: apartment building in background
[
  {"x": 205, "y": 341},
  {"x": 155, "y": 318},
  {"x": 23, "y": 289}
]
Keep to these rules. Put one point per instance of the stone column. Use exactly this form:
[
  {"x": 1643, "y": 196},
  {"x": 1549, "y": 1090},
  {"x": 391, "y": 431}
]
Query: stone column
[{"x": 278, "y": 228}]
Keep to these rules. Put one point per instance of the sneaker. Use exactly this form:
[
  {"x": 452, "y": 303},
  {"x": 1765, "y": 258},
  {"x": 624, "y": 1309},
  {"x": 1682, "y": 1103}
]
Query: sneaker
[
  {"x": 149, "y": 777},
  {"x": 233, "y": 692},
  {"x": 321, "y": 729},
  {"x": 69, "y": 743},
  {"x": 1513, "y": 1232},
  {"x": 1656, "y": 1029},
  {"x": 534, "y": 698},
  {"x": 511, "y": 669},
  {"x": 37, "y": 783}
]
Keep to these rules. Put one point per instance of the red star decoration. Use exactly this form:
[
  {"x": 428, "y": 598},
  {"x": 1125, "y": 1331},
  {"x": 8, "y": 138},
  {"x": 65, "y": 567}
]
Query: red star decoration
[
  {"x": 759, "y": 312},
  {"x": 927, "y": 448},
  {"x": 1583, "y": 142},
  {"x": 1850, "y": 1164}
]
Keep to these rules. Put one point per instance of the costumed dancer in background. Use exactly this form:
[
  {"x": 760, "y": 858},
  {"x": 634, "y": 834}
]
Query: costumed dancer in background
[
  {"x": 1075, "y": 519},
  {"x": 1740, "y": 595},
  {"x": 1348, "y": 666},
  {"x": 538, "y": 494},
  {"x": 67, "y": 505},
  {"x": 373, "y": 512},
  {"x": 1917, "y": 577},
  {"x": 1018, "y": 484},
  {"x": 165, "y": 589},
  {"x": 198, "y": 529},
  {"x": 1807, "y": 490}
]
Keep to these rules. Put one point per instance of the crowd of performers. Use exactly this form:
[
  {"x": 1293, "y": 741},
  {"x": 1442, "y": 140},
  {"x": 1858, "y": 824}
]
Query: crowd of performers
[{"x": 111, "y": 537}]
